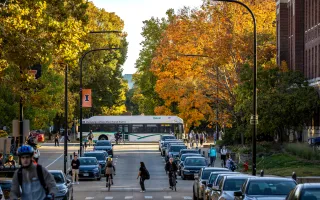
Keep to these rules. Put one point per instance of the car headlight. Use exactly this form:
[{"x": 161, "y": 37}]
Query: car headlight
[
  {"x": 63, "y": 190},
  {"x": 96, "y": 170}
]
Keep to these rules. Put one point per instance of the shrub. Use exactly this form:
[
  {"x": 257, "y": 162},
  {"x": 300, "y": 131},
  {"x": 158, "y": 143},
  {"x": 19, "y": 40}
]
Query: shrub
[{"x": 303, "y": 151}]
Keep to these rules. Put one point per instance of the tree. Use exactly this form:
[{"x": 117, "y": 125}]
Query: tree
[{"x": 145, "y": 95}]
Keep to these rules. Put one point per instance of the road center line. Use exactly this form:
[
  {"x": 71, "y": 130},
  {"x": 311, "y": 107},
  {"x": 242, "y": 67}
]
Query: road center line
[{"x": 54, "y": 161}]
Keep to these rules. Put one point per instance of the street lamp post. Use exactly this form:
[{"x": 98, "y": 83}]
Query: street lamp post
[
  {"x": 80, "y": 63},
  {"x": 254, "y": 117}
]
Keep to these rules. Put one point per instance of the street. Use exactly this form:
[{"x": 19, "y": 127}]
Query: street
[{"x": 126, "y": 186}]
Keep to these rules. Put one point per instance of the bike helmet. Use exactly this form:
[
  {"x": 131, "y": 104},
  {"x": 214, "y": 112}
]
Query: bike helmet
[
  {"x": 25, "y": 150},
  {"x": 109, "y": 159}
]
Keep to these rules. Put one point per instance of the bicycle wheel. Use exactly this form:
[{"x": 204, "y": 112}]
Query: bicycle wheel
[{"x": 109, "y": 185}]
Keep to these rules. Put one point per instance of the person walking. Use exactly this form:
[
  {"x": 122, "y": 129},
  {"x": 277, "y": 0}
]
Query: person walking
[
  {"x": 191, "y": 138},
  {"x": 212, "y": 154},
  {"x": 223, "y": 153},
  {"x": 215, "y": 137},
  {"x": 230, "y": 163},
  {"x": 201, "y": 136},
  {"x": 90, "y": 138},
  {"x": 85, "y": 146},
  {"x": 197, "y": 139},
  {"x": 56, "y": 140},
  {"x": 31, "y": 182},
  {"x": 143, "y": 174},
  {"x": 75, "y": 164}
]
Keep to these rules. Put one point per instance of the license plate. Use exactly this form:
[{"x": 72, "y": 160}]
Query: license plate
[{"x": 85, "y": 174}]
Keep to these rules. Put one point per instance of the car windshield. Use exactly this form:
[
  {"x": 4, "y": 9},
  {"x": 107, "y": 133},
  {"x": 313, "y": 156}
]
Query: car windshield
[
  {"x": 310, "y": 193},
  {"x": 195, "y": 162},
  {"x": 233, "y": 184},
  {"x": 99, "y": 156},
  {"x": 212, "y": 178},
  {"x": 183, "y": 157},
  {"x": 58, "y": 177},
  {"x": 177, "y": 148},
  {"x": 103, "y": 143},
  {"x": 168, "y": 137},
  {"x": 5, "y": 186},
  {"x": 88, "y": 161},
  {"x": 189, "y": 151},
  {"x": 270, "y": 187}
]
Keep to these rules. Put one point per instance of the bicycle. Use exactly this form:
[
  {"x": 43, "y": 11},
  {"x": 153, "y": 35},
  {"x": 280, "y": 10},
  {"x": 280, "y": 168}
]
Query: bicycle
[
  {"x": 173, "y": 181},
  {"x": 108, "y": 184}
]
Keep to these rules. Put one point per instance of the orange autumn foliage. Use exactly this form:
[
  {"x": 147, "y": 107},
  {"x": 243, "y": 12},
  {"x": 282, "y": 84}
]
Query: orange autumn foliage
[{"x": 202, "y": 51}]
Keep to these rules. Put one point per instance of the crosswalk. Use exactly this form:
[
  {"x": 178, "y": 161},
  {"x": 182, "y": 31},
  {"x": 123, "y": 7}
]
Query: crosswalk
[{"x": 145, "y": 197}]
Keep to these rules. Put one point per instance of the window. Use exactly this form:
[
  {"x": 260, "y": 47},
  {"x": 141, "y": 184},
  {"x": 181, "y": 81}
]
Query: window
[
  {"x": 151, "y": 128},
  {"x": 137, "y": 128},
  {"x": 165, "y": 128},
  {"x": 108, "y": 128}
]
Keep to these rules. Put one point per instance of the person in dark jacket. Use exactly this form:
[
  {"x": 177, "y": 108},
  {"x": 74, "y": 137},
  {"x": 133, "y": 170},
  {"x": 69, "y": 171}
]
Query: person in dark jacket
[
  {"x": 172, "y": 168},
  {"x": 75, "y": 164},
  {"x": 142, "y": 174},
  {"x": 56, "y": 140}
]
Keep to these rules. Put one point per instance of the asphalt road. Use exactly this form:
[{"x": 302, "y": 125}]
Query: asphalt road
[{"x": 126, "y": 186}]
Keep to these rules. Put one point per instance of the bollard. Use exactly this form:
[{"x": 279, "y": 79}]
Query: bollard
[
  {"x": 294, "y": 176},
  {"x": 262, "y": 173}
]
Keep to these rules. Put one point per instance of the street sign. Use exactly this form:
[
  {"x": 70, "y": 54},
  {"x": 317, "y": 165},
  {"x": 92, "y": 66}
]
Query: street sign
[{"x": 254, "y": 119}]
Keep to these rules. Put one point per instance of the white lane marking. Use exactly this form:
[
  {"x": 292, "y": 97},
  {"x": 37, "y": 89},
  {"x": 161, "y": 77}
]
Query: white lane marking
[
  {"x": 167, "y": 197},
  {"x": 128, "y": 197},
  {"x": 148, "y": 197},
  {"x": 108, "y": 198},
  {"x": 54, "y": 161},
  {"x": 89, "y": 197},
  {"x": 187, "y": 198}
]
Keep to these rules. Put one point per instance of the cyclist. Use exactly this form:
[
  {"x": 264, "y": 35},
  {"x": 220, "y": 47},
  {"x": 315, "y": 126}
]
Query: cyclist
[
  {"x": 35, "y": 181},
  {"x": 172, "y": 168},
  {"x": 110, "y": 170}
]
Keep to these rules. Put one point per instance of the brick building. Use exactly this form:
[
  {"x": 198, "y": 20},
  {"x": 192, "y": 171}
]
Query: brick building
[{"x": 298, "y": 44}]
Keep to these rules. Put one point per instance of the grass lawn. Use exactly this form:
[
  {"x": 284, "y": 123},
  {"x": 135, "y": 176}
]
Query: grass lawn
[{"x": 284, "y": 164}]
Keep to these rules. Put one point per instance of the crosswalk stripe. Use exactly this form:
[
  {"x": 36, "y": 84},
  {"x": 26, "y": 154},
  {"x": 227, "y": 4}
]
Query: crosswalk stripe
[
  {"x": 89, "y": 197},
  {"x": 167, "y": 197},
  {"x": 148, "y": 197},
  {"x": 128, "y": 197},
  {"x": 108, "y": 198},
  {"x": 187, "y": 198}
]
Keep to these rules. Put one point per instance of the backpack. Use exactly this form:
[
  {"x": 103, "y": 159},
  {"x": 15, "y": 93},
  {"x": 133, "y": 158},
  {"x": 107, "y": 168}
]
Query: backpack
[
  {"x": 40, "y": 177},
  {"x": 232, "y": 166},
  {"x": 146, "y": 174}
]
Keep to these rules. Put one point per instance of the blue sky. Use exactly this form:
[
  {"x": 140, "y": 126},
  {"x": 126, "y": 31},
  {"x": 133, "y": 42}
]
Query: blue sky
[{"x": 133, "y": 12}]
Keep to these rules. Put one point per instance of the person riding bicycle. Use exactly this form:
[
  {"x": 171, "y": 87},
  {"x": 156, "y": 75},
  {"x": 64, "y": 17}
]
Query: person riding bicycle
[
  {"x": 172, "y": 168},
  {"x": 110, "y": 170},
  {"x": 118, "y": 136},
  {"x": 31, "y": 182}
]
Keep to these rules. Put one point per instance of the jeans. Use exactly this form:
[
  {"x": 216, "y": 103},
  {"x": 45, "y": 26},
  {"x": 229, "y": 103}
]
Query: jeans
[
  {"x": 170, "y": 175},
  {"x": 142, "y": 184},
  {"x": 56, "y": 142},
  {"x": 75, "y": 175},
  {"x": 212, "y": 160}
]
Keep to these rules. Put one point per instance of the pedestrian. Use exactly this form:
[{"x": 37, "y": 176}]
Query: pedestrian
[
  {"x": 143, "y": 173},
  {"x": 67, "y": 139},
  {"x": 75, "y": 164},
  {"x": 223, "y": 153},
  {"x": 85, "y": 145},
  {"x": 201, "y": 136},
  {"x": 212, "y": 154},
  {"x": 191, "y": 138},
  {"x": 10, "y": 162},
  {"x": 1, "y": 159},
  {"x": 56, "y": 139},
  {"x": 31, "y": 182},
  {"x": 215, "y": 137},
  {"x": 90, "y": 138},
  {"x": 197, "y": 139},
  {"x": 205, "y": 135},
  {"x": 230, "y": 163}
]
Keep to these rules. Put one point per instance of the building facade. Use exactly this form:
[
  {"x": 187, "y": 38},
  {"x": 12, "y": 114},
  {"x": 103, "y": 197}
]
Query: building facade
[{"x": 298, "y": 44}]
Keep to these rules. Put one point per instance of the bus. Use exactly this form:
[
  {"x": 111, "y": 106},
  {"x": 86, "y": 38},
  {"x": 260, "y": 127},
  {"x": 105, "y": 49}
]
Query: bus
[{"x": 133, "y": 128}]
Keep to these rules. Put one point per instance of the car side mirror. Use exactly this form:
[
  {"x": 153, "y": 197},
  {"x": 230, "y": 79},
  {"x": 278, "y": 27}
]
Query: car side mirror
[
  {"x": 210, "y": 185},
  {"x": 204, "y": 182},
  {"x": 196, "y": 176},
  {"x": 68, "y": 181},
  {"x": 237, "y": 194}
]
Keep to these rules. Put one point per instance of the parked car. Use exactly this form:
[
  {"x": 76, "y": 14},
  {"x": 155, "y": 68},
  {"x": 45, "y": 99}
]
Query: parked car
[
  {"x": 183, "y": 158},
  {"x": 104, "y": 145},
  {"x": 64, "y": 185},
  {"x": 174, "y": 150},
  {"x": 265, "y": 188},
  {"x": 201, "y": 180},
  {"x": 306, "y": 191},
  {"x": 5, "y": 184},
  {"x": 89, "y": 168},
  {"x": 101, "y": 157},
  {"x": 164, "y": 138},
  {"x": 227, "y": 186},
  {"x": 192, "y": 166},
  {"x": 213, "y": 176},
  {"x": 189, "y": 151},
  {"x": 165, "y": 145}
]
